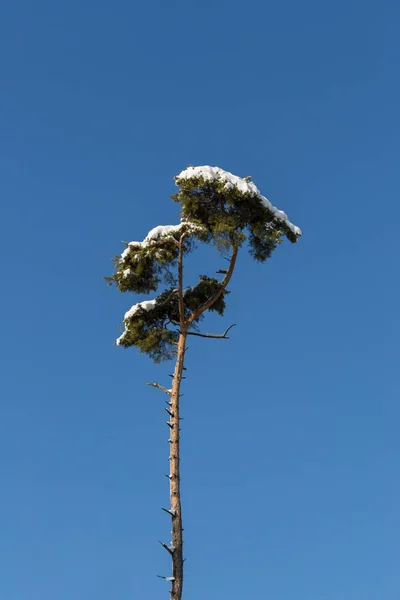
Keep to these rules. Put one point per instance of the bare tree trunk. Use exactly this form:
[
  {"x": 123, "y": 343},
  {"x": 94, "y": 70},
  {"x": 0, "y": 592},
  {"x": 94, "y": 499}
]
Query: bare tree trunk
[
  {"x": 174, "y": 458},
  {"x": 176, "y": 548}
]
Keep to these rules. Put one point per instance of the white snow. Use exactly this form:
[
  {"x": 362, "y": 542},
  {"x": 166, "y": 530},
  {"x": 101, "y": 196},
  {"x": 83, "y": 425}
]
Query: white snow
[
  {"x": 158, "y": 232},
  {"x": 126, "y": 272},
  {"x": 212, "y": 173},
  {"x": 161, "y": 231},
  {"x": 246, "y": 187},
  {"x": 125, "y": 253},
  {"x": 170, "y": 579},
  {"x": 119, "y": 341},
  {"x": 165, "y": 230},
  {"x": 145, "y": 305}
]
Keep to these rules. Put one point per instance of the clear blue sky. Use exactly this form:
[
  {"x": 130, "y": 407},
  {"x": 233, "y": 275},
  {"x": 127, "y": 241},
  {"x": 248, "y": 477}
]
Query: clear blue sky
[{"x": 291, "y": 431}]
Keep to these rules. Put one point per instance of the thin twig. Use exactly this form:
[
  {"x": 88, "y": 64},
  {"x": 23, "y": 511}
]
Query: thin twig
[{"x": 217, "y": 336}]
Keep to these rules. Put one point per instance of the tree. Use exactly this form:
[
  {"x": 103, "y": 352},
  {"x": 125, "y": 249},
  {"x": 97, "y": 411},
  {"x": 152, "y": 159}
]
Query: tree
[{"x": 216, "y": 208}]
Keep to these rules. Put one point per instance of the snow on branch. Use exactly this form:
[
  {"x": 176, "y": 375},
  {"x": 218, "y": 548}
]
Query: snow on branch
[
  {"x": 244, "y": 185},
  {"x": 142, "y": 266},
  {"x": 159, "y": 233},
  {"x": 161, "y": 311},
  {"x": 145, "y": 305}
]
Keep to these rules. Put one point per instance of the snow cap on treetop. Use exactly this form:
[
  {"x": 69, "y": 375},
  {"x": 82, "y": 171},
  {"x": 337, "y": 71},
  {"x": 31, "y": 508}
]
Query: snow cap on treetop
[{"x": 244, "y": 185}]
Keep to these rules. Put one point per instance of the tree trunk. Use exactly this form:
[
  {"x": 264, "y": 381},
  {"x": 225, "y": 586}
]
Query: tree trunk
[{"x": 174, "y": 458}]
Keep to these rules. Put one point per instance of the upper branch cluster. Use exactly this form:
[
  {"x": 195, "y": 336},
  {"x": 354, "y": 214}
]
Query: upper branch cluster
[{"x": 232, "y": 209}]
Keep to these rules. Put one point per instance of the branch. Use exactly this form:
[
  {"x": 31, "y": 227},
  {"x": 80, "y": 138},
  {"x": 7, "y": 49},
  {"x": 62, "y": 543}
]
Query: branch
[
  {"x": 170, "y": 512},
  {"x": 168, "y": 549},
  {"x": 220, "y": 336},
  {"x": 170, "y": 321},
  {"x": 159, "y": 387},
  {"x": 196, "y": 314}
]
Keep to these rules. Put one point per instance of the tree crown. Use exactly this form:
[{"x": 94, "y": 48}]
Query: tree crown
[{"x": 217, "y": 208}]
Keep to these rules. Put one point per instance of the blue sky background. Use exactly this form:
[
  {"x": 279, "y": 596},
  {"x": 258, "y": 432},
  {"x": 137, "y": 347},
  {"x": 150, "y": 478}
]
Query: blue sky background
[{"x": 291, "y": 431}]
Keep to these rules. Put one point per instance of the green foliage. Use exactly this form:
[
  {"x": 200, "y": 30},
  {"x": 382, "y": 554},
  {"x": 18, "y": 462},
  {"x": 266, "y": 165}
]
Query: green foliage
[
  {"x": 142, "y": 270},
  {"x": 143, "y": 266},
  {"x": 198, "y": 295},
  {"x": 231, "y": 216},
  {"x": 150, "y": 330}
]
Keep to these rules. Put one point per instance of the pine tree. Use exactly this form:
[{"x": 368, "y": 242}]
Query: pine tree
[{"x": 216, "y": 208}]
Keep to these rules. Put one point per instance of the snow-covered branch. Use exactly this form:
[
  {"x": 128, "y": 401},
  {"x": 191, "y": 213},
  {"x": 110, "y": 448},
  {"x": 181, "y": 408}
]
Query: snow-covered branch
[
  {"x": 145, "y": 305},
  {"x": 244, "y": 185},
  {"x": 161, "y": 233}
]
